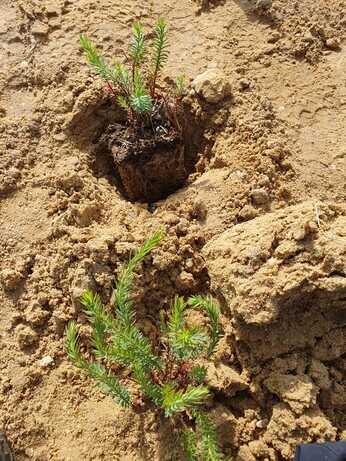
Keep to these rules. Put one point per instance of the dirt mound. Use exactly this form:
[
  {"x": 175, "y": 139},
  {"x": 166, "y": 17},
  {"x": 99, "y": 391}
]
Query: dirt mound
[{"x": 284, "y": 278}]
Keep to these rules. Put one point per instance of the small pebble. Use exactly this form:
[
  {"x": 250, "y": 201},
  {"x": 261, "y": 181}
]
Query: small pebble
[
  {"x": 333, "y": 43},
  {"x": 262, "y": 423},
  {"x": 46, "y": 361},
  {"x": 244, "y": 84}
]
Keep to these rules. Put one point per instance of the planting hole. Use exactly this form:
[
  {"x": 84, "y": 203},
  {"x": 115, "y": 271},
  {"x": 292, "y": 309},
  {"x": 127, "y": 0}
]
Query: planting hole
[{"x": 147, "y": 164}]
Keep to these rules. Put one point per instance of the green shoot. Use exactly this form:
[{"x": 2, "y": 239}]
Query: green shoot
[
  {"x": 134, "y": 83},
  {"x": 140, "y": 100},
  {"x": 94, "y": 59},
  {"x": 149, "y": 389},
  {"x": 208, "y": 438},
  {"x": 108, "y": 383},
  {"x": 137, "y": 49},
  {"x": 176, "y": 401},
  {"x": 180, "y": 86},
  {"x": 207, "y": 306},
  {"x": 189, "y": 440},
  {"x": 159, "y": 53},
  {"x": 131, "y": 349},
  {"x": 188, "y": 343},
  {"x": 123, "y": 302},
  {"x": 198, "y": 374},
  {"x": 166, "y": 374}
]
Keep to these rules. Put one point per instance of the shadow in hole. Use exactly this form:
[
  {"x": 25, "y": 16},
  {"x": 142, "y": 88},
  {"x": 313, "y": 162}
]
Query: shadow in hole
[{"x": 99, "y": 112}]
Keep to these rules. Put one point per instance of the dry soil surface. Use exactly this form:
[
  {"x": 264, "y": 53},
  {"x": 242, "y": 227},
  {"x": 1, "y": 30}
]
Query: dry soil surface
[{"x": 261, "y": 223}]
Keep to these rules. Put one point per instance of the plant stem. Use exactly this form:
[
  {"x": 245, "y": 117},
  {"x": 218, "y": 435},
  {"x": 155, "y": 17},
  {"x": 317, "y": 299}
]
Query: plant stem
[{"x": 111, "y": 89}]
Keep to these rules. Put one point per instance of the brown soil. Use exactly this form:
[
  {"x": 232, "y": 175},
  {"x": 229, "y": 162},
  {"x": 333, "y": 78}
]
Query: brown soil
[
  {"x": 261, "y": 223},
  {"x": 149, "y": 166}
]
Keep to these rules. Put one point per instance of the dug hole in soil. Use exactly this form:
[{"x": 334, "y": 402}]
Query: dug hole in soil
[
  {"x": 259, "y": 222},
  {"x": 152, "y": 161},
  {"x": 145, "y": 163}
]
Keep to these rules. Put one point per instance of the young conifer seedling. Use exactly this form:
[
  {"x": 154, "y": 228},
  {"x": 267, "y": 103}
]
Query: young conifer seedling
[
  {"x": 134, "y": 83},
  {"x": 148, "y": 145},
  {"x": 168, "y": 374}
]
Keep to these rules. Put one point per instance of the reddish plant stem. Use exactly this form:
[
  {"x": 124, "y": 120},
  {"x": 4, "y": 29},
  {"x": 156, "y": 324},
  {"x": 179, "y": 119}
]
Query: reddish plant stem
[{"x": 111, "y": 89}]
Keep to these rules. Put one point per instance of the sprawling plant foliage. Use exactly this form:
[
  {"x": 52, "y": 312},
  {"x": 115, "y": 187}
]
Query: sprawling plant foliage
[
  {"x": 168, "y": 375},
  {"x": 134, "y": 84}
]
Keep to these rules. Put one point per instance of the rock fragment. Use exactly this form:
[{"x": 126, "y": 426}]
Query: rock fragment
[
  {"x": 212, "y": 85},
  {"x": 46, "y": 361}
]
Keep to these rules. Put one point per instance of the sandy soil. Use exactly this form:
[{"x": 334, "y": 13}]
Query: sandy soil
[{"x": 261, "y": 223}]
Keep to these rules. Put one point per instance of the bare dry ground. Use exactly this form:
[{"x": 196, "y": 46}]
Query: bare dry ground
[{"x": 261, "y": 223}]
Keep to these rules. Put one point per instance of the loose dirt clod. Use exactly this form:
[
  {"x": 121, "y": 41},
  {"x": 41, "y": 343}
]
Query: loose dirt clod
[{"x": 212, "y": 85}]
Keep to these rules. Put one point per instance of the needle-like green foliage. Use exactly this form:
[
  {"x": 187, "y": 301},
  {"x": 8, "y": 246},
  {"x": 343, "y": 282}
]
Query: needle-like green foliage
[
  {"x": 189, "y": 440},
  {"x": 95, "y": 60},
  {"x": 137, "y": 49},
  {"x": 123, "y": 302},
  {"x": 176, "y": 400},
  {"x": 166, "y": 375},
  {"x": 95, "y": 370},
  {"x": 140, "y": 101},
  {"x": 189, "y": 342},
  {"x": 198, "y": 374},
  {"x": 159, "y": 53},
  {"x": 206, "y": 305},
  {"x": 148, "y": 387},
  {"x": 131, "y": 349},
  {"x": 208, "y": 438},
  {"x": 180, "y": 85},
  {"x": 134, "y": 83}
]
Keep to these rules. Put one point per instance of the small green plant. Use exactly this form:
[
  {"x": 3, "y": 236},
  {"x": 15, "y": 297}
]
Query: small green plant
[
  {"x": 135, "y": 83},
  {"x": 168, "y": 374}
]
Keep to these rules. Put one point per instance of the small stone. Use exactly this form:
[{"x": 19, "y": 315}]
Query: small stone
[
  {"x": 299, "y": 233},
  {"x": 244, "y": 84},
  {"x": 286, "y": 249},
  {"x": 10, "y": 279},
  {"x": 170, "y": 218},
  {"x": 212, "y": 85},
  {"x": 185, "y": 280},
  {"x": 60, "y": 137},
  {"x": 260, "y": 196},
  {"x": 274, "y": 37},
  {"x": 248, "y": 212},
  {"x": 333, "y": 43},
  {"x": 262, "y": 423},
  {"x": 40, "y": 29},
  {"x": 46, "y": 361}
]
